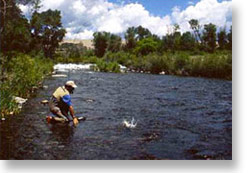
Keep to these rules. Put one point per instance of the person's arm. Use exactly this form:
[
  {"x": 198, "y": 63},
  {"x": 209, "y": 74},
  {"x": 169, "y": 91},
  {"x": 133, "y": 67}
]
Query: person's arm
[
  {"x": 71, "y": 110},
  {"x": 67, "y": 100}
]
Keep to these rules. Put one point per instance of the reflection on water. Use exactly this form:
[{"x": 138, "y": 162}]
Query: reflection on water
[{"x": 177, "y": 118}]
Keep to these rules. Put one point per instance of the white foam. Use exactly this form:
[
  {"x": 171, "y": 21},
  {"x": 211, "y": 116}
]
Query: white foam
[
  {"x": 130, "y": 125},
  {"x": 82, "y": 67},
  {"x": 67, "y": 67}
]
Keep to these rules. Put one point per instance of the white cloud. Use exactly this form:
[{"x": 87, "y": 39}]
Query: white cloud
[
  {"x": 82, "y": 18},
  {"x": 85, "y": 34},
  {"x": 24, "y": 8},
  {"x": 205, "y": 11}
]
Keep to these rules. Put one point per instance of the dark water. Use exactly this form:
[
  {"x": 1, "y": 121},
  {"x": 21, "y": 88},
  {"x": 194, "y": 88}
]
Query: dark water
[{"x": 178, "y": 118}]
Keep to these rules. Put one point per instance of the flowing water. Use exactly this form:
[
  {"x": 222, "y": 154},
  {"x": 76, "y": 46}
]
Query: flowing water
[{"x": 177, "y": 118}]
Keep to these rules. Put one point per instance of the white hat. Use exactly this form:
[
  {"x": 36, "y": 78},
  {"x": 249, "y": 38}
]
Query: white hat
[{"x": 71, "y": 83}]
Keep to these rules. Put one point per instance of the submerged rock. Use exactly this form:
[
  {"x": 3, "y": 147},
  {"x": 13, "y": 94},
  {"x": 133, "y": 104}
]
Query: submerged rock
[
  {"x": 123, "y": 69},
  {"x": 45, "y": 87},
  {"x": 20, "y": 101}
]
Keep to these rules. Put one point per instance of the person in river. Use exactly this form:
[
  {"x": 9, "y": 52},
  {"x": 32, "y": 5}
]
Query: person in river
[{"x": 60, "y": 103}]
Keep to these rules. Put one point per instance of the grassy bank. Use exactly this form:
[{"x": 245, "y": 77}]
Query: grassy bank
[
  {"x": 23, "y": 74},
  {"x": 201, "y": 64}
]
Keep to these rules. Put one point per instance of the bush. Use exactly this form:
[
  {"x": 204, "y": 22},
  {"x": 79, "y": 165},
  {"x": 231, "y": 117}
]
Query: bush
[
  {"x": 24, "y": 73},
  {"x": 157, "y": 63},
  {"x": 104, "y": 66},
  {"x": 27, "y": 72},
  {"x": 7, "y": 104},
  {"x": 181, "y": 59}
]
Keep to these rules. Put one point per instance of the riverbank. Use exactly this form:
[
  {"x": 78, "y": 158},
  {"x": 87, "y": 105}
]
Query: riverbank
[
  {"x": 202, "y": 64},
  {"x": 23, "y": 76}
]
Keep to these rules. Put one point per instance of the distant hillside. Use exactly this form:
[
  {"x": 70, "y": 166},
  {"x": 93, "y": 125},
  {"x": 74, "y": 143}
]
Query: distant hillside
[{"x": 87, "y": 43}]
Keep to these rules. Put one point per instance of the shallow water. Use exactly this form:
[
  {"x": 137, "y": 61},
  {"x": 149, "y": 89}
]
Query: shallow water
[{"x": 177, "y": 118}]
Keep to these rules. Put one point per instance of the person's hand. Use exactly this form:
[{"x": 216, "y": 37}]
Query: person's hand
[{"x": 75, "y": 121}]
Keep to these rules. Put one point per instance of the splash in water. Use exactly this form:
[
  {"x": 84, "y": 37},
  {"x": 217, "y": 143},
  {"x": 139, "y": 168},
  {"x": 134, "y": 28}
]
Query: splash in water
[{"x": 132, "y": 124}]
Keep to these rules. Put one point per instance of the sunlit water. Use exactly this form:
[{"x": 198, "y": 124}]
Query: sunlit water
[{"x": 177, "y": 118}]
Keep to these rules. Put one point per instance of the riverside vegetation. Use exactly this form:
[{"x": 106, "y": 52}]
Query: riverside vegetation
[
  {"x": 205, "y": 52},
  {"x": 29, "y": 48}
]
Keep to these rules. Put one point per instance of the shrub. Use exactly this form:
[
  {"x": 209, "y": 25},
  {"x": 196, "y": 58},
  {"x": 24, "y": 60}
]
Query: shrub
[
  {"x": 104, "y": 66},
  {"x": 24, "y": 73}
]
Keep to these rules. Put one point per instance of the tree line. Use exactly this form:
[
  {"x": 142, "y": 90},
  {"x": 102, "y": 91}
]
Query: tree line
[{"x": 141, "y": 41}]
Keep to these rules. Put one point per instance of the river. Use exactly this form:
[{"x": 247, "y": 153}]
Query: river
[{"x": 177, "y": 118}]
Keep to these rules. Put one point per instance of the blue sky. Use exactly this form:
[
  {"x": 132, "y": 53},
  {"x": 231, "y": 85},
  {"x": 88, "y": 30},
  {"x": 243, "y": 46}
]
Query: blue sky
[{"x": 161, "y": 7}]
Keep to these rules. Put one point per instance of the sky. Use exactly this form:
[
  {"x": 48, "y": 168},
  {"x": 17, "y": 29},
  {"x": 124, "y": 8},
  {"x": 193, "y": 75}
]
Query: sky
[{"x": 82, "y": 18}]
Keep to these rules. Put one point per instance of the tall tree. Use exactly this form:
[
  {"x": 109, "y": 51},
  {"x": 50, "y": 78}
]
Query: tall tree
[
  {"x": 209, "y": 37},
  {"x": 195, "y": 26},
  {"x": 222, "y": 39},
  {"x": 172, "y": 40},
  {"x": 187, "y": 41},
  {"x": 130, "y": 38},
  {"x": 168, "y": 42},
  {"x": 14, "y": 28},
  {"x": 115, "y": 43},
  {"x": 47, "y": 30},
  {"x": 101, "y": 40},
  {"x": 142, "y": 33},
  {"x": 36, "y": 5}
]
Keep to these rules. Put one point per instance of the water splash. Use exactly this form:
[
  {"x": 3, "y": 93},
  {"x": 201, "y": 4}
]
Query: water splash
[{"x": 132, "y": 124}]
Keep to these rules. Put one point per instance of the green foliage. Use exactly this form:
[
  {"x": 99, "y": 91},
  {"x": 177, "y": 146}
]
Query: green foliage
[
  {"x": 209, "y": 37},
  {"x": 14, "y": 28},
  {"x": 104, "y": 66},
  {"x": 142, "y": 33},
  {"x": 130, "y": 38},
  {"x": 146, "y": 46},
  {"x": 105, "y": 41},
  {"x": 180, "y": 61},
  {"x": 7, "y": 104},
  {"x": 187, "y": 41},
  {"x": 222, "y": 39},
  {"x": 156, "y": 63},
  {"x": 114, "y": 43},
  {"x": 100, "y": 43},
  {"x": 46, "y": 28},
  {"x": 195, "y": 26},
  {"x": 24, "y": 73}
]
